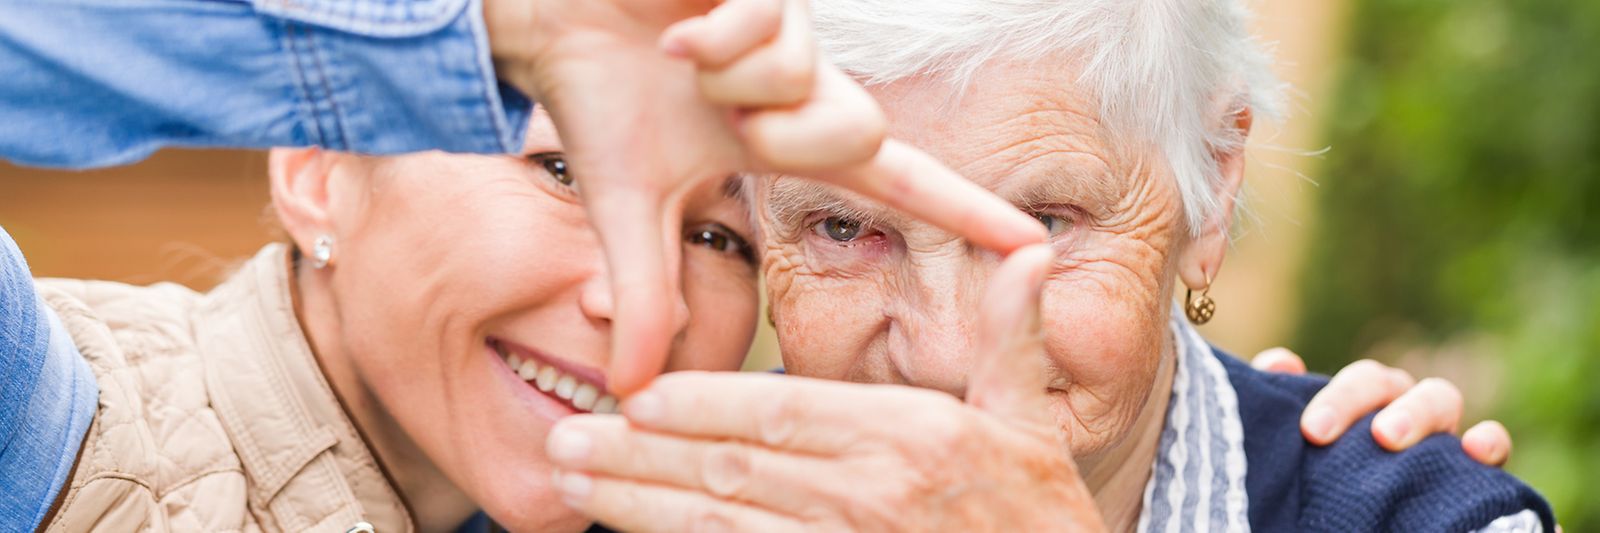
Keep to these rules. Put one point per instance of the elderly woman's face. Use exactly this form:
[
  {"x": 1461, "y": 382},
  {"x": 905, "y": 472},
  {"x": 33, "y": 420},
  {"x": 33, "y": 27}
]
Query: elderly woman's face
[
  {"x": 864, "y": 295},
  {"x": 450, "y": 265}
]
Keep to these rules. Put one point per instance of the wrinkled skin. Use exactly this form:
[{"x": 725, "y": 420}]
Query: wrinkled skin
[
  {"x": 435, "y": 254},
  {"x": 896, "y": 303}
]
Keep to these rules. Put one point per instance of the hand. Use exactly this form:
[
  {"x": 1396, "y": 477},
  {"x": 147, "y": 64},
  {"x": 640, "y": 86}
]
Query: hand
[
  {"x": 1411, "y": 409},
  {"x": 643, "y": 127},
  {"x": 763, "y": 452}
]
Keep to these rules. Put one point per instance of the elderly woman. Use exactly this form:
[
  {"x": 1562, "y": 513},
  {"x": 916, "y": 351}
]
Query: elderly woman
[{"x": 1090, "y": 400}]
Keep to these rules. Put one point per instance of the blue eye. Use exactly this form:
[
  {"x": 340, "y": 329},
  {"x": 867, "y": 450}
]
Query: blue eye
[
  {"x": 1056, "y": 225},
  {"x": 839, "y": 229}
]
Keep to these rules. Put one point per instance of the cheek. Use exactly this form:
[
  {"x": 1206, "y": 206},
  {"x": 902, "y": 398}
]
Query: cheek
[
  {"x": 420, "y": 287},
  {"x": 826, "y": 326},
  {"x": 1106, "y": 329},
  {"x": 723, "y": 301}
]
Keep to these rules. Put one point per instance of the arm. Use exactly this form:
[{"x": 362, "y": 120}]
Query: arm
[
  {"x": 88, "y": 83},
  {"x": 47, "y": 398}
]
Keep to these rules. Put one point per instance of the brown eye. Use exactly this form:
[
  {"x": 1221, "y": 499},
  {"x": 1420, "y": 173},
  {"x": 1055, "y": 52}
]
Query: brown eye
[
  {"x": 555, "y": 164},
  {"x": 839, "y": 229},
  {"x": 722, "y": 240}
]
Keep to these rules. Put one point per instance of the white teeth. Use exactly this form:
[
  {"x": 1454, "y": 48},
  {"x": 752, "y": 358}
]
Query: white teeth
[
  {"x": 547, "y": 379},
  {"x": 584, "y": 397},
  {"x": 528, "y": 370},
  {"x": 565, "y": 387},
  {"x": 606, "y": 405}
]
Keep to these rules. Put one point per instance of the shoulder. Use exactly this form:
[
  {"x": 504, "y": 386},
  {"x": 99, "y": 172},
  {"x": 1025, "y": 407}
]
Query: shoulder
[
  {"x": 155, "y": 445},
  {"x": 1353, "y": 484}
]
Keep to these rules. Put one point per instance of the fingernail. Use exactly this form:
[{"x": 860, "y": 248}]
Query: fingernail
[
  {"x": 645, "y": 408},
  {"x": 1319, "y": 422},
  {"x": 574, "y": 487},
  {"x": 1395, "y": 427},
  {"x": 569, "y": 446}
]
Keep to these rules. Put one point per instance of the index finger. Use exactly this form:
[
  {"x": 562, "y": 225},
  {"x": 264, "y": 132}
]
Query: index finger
[{"x": 912, "y": 181}]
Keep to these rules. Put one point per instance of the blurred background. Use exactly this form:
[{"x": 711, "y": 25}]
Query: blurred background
[{"x": 1428, "y": 203}]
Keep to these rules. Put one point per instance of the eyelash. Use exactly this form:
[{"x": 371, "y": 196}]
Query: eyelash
[
  {"x": 707, "y": 235},
  {"x": 819, "y": 225},
  {"x": 1070, "y": 216},
  {"x": 553, "y": 165}
]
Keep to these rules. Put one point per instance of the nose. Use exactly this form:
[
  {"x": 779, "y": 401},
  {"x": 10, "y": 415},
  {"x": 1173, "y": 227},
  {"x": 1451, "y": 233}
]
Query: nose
[{"x": 934, "y": 313}]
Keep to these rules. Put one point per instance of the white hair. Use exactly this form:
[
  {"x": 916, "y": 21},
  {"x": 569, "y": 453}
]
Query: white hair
[{"x": 1167, "y": 73}]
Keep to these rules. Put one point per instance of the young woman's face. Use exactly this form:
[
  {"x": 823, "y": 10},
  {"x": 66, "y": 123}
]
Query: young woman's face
[{"x": 473, "y": 300}]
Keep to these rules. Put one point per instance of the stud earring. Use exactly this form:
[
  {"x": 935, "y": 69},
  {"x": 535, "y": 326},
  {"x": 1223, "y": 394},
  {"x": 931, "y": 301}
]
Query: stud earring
[
  {"x": 322, "y": 252},
  {"x": 1200, "y": 310}
]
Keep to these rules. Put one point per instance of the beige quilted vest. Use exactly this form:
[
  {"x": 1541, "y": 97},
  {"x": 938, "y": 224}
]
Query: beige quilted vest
[{"x": 213, "y": 415}]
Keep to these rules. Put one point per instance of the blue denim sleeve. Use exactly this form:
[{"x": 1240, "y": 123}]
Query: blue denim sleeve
[
  {"x": 87, "y": 83},
  {"x": 48, "y": 398}
]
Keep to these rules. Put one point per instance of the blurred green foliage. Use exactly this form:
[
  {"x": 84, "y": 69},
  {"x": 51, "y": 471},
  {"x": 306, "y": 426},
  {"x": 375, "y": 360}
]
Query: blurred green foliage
[{"x": 1458, "y": 202}]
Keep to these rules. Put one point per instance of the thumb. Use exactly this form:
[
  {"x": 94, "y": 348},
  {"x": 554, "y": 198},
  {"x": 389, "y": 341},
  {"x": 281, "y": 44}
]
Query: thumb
[
  {"x": 1011, "y": 375},
  {"x": 635, "y": 235}
]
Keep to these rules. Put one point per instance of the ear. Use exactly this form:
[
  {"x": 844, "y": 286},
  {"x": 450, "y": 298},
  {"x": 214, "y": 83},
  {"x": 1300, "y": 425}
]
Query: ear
[
  {"x": 299, "y": 182},
  {"x": 1202, "y": 259}
]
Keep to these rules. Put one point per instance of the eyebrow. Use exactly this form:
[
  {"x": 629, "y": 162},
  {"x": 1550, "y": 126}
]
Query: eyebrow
[
  {"x": 1096, "y": 191},
  {"x": 791, "y": 200},
  {"x": 1093, "y": 190},
  {"x": 733, "y": 187}
]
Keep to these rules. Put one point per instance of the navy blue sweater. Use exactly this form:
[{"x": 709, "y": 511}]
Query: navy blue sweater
[{"x": 1352, "y": 484}]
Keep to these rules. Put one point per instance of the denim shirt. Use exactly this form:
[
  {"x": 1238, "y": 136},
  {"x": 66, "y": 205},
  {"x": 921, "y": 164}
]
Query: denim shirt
[
  {"x": 86, "y": 83},
  {"x": 48, "y": 398}
]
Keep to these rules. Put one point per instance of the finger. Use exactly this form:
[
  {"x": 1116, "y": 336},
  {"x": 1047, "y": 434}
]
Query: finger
[
  {"x": 787, "y": 412},
  {"x": 1011, "y": 376},
  {"x": 781, "y": 72},
  {"x": 1488, "y": 443},
  {"x": 839, "y": 127},
  {"x": 729, "y": 31},
  {"x": 626, "y": 505},
  {"x": 1279, "y": 360},
  {"x": 1433, "y": 406},
  {"x": 726, "y": 469},
  {"x": 643, "y": 283},
  {"x": 907, "y": 179},
  {"x": 1358, "y": 389}
]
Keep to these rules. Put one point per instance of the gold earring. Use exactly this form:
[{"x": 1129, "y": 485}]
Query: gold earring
[{"x": 1200, "y": 310}]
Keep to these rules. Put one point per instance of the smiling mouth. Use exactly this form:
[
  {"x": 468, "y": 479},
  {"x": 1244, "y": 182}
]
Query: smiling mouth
[{"x": 566, "y": 387}]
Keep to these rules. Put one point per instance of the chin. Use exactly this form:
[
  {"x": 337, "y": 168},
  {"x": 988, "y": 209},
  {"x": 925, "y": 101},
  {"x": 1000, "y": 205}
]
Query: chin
[{"x": 533, "y": 507}]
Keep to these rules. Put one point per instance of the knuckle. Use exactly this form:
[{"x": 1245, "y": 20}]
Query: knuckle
[
  {"x": 1364, "y": 367},
  {"x": 726, "y": 470},
  {"x": 1443, "y": 390},
  {"x": 791, "y": 78},
  {"x": 777, "y": 422},
  {"x": 711, "y": 521}
]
